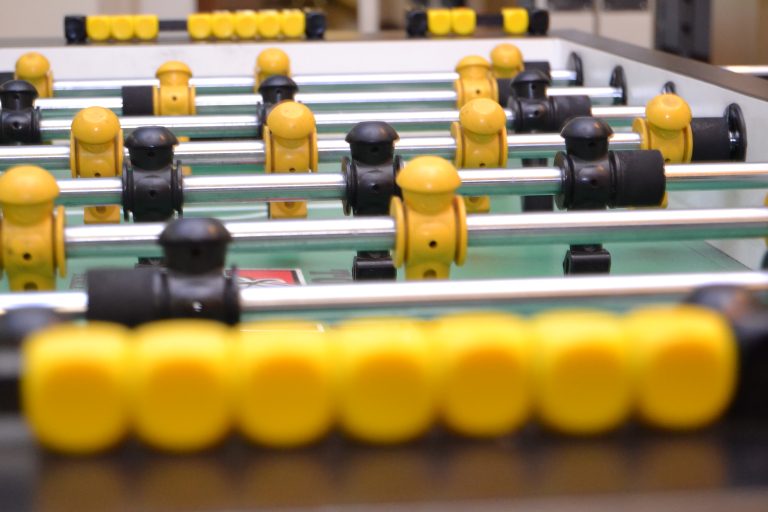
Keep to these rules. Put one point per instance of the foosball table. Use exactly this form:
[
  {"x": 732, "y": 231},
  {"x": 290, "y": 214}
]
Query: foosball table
[{"x": 445, "y": 273}]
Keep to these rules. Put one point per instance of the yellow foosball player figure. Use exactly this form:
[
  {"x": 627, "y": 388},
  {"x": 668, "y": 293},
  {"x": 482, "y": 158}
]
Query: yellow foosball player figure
[{"x": 430, "y": 219}]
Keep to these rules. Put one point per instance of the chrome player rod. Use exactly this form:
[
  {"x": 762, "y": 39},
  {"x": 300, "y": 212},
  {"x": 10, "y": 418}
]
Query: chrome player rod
[
  {"x": 252, "y": 152},
  {"x": 245, "y": 103},
  {"x": 328, "y": 186},
  {"x": 246, "y": 84},
  {"x": 378, "y": 233},
  {"x": 226, "y": 126},
  {"x": 437, "y": 294},
  {"x": 748, "y": 70}
]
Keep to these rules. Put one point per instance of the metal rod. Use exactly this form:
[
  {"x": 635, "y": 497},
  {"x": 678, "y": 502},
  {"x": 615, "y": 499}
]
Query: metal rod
[
  {"x": 748, "y": 70},
  {"x": 245, "y": 84},
  {"x": 437, "y": 294},
  {"x": 618, "y": 113},
  {"x": 244, "y": 126},
  {"x": 325, "y": 186},
  {"x": 251, "y": 152},
  {"x": 718, "y": 176},
  {"x": 440, "y": 294},
  {"x": 202, "y": 189},
  {"x": 65, "y": 303},
  {"x": 314, "y": 186},
  {"x": 218, "y": 104},
  {"x": 378, "y": 233}
]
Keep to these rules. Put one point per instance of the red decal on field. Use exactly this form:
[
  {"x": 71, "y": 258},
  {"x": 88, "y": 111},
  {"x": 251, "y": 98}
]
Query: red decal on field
[{"x": 247, "y": 277}]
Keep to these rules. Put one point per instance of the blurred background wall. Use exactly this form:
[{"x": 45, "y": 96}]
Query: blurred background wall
[{"x": 721, "y": 31}]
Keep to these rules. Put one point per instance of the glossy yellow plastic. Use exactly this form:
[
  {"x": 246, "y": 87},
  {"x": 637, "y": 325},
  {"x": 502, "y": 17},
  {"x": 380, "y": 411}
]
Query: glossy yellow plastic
[
  {"x": 182, "y": 384},
  {"x": 174, "y": 96},
  {"x": 285, "y": 383},
  {"x": 667, "y": 128},
  {"x": 386, "y": 379},
  {"x": 430, "y": 220},
  {"x": 98, "y": 28},
  {"x": 582, "y": 371},
  {"x": 199, "y": 26},
  {"x": 685, "y": 365},
  {"x": 516, "y": 20},
  {"x": 290, "y": 141},
  {"x": 481, "y": 141},
  {"x": 246, "y": 24},
  {"x": 463, "y": 21},
  {"x": 506, "y": 61},
  {"x": 122, "y": 27},
  {"x": 222, "y": 24},
  {"x": 35, "y": 69},
  {"x": 32, "y": 236},
  {"x": 292, "y": 23},
  {"x": 146, "y": 26},
  {"x": 269, "y": 24},
  {"x": 95, "y": 151},
  {"x": 271, "y": 62},
  {"x": 73, "y": 387},
  {"x": 475, "y": 81},
  {"x": 484, "y": 362},
  {"x": 439, "y": 22}
]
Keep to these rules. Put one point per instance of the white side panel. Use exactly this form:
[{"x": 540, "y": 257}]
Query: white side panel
[{"x": 231, "y": 59}]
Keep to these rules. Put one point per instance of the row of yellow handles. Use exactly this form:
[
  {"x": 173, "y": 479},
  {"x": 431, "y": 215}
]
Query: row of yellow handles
[{"x": 184, "y": 385}]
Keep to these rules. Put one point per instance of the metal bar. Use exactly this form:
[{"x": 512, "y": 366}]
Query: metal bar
[
  {"x": 65, "y": 303},
  {"x": 596, "y": 93},
  {"x": 616, "y": 226},
  {"x": 328, "y": 186},
  {"x": 245, "y": 84},
  {"x": 475, "y": 293},
  {"x": 188, "y": 126},
  {"x": 748, "y": 70},
  {"x": 437, "y": 294},
  {"x": 720, "y": 176},
  {"x": 378, "y": 233},
  {"x": 85, "y": 192},
  {"x": 618, "y": 113},
  {"x": 368, "y": 233},
  {"x": 234, "y": 126},
  {"x": 219, "y": 104},
  {"x": 251, "y": 152},
  {"x": 50, "y": 157},
  {"x": 205, "y": 189},
  {"x": 313, "y": 186}
]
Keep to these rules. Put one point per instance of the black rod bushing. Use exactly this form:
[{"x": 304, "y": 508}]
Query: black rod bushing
[
  {"x": 638, "y": 178},
  {"x": 748, "y": 318},
  {"x": 619, "y": 80},
  {"x": 576, "y": 65},
  {"x": 138, "y": 100},
  {"x": 315, "y": 24},
  {"x": 74, "y": 29},
  {"x": 720, "y": 139}
]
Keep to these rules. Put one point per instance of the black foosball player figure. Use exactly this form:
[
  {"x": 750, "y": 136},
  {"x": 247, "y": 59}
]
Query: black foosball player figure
[
  {"x": 595, "y": 178},
  {"x": 370, "y": 175},
  {"x": 152, "y": 189}
]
